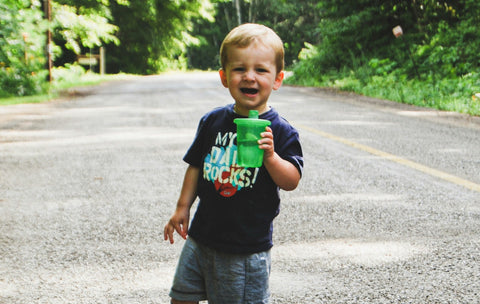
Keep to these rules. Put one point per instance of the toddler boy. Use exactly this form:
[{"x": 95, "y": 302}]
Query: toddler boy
[{"x": 226, "y": 257}]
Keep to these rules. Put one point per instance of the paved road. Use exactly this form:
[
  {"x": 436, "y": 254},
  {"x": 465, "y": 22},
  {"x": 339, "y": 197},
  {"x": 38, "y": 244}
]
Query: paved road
[{"x": 388, "y": 210}]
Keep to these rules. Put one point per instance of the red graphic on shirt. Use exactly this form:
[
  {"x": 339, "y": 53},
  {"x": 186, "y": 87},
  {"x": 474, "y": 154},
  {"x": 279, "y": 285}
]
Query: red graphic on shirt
[
  {"x": 220, "y": 167},
  {"x": 225, "y": 189}
]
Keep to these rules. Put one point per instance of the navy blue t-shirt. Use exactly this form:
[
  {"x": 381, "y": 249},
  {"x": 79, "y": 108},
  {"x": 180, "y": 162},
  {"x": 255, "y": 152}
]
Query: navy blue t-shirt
[{"x": 237, "y": 205}]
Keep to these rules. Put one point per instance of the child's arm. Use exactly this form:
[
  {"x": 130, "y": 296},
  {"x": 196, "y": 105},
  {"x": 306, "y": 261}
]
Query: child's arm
[
  {"x": 181, "y": 217},
  {"x": 283, "y": 172}
]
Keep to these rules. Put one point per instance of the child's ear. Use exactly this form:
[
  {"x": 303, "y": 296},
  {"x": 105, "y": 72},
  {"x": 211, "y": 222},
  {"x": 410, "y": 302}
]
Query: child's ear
[
  {"x": 278, "y": 80},
  {"x": 223, "y": 77}
]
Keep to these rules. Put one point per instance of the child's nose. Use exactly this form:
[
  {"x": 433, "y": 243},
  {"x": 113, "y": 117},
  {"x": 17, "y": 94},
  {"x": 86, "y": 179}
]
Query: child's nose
[{"x": 249, "y": 75}]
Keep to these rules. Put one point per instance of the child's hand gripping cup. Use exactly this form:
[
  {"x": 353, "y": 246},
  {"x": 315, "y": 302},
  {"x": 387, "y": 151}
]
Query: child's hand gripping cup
[{"x": 248, "y": 134}]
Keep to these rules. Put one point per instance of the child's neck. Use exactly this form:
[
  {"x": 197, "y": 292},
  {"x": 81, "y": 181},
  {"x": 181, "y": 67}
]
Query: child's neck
[{"x": 260, "y": 112}]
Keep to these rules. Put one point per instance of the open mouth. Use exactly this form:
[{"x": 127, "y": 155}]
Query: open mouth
[{"x": 249, "y": 91}]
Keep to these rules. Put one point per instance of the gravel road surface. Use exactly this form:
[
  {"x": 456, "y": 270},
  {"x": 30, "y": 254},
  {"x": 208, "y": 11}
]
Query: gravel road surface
[{"x": 388, "y": 210}]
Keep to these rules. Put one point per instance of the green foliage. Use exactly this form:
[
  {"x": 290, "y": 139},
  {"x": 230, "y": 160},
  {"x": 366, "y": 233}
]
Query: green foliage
[
  {"x": 66, "y": 81},
  {"x": 205, "y": 54},
  {"x": 21, "y": 81},
  {"x": 352, "y": 30},
  {"x": 449, "y": 94},
  {"x": 157, "y": 38},
  {"x": 453, "y": 50},
  {"x": 76, "y": 24},
  {"x": 82, "y": 27},
  {"x": 382, "y": 67},
  {"x": 21, "y": 48},
  {"x": 435, "y": 63},
  {"x": 70, "y": 73},
  {"x": 295, "y": 22},
  {"x": 210, "y": 32},
  {"x": 346, "y": 44}
]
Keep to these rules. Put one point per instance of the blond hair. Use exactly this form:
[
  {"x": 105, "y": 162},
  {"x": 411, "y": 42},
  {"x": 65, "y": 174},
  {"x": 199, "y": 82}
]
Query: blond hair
[{"x": 244, "y": 35}]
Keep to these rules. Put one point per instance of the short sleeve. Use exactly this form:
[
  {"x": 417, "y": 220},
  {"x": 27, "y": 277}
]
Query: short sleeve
[{"x": 193, "y": 156}]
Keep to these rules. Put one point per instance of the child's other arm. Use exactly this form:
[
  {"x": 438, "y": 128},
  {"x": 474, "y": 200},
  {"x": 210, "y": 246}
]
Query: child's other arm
[
  {"x": 181, "y": 217},
  {"x": 283, "y": 172}
]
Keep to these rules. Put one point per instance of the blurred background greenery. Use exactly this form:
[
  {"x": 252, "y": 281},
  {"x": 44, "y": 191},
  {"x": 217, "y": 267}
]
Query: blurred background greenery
[{"x": 345, "y": 44}]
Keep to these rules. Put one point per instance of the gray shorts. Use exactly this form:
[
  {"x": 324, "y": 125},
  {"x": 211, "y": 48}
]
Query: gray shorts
[{"x": 206, "y": 274}]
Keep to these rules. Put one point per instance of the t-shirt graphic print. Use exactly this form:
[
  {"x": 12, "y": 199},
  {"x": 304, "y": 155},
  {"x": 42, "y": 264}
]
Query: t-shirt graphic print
[{"x": 220, "y": 167}]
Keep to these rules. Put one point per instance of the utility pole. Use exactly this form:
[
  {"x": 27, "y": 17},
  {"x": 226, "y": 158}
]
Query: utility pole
[{"x": 48, "y": 49}]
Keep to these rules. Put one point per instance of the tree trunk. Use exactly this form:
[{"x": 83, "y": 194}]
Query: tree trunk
[
  {"x": 227, "y": 17},
  {"x": 239, "y": 12},
  {"x": 252, "y": 15}
]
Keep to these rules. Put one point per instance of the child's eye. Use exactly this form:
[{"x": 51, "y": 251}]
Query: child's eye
[
  {"x": 262, "y": 70},
  {"x": 238, "y": 69}
]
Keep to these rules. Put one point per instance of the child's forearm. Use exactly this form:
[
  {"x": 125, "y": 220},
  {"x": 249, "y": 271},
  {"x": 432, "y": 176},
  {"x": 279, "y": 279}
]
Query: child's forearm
[
  {"x": 283, "y": 172},
  {"x": 188, "y": 194},
  {"x": 180, "y": 218}
]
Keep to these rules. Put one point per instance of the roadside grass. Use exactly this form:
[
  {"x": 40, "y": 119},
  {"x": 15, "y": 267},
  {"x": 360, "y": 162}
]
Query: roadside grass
[
  {"x": 63, "y": 81},
  {"x": 26, "y": 99},
  {"x": 460, "y": 95},
  {"x": 457, "y": 95}
]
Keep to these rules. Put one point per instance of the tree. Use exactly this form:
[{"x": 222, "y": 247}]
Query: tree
[
  {"x": 83, "y": 25},
  {"x": 80, "y": 25},
  {"x": 453, "y": 47},
  {"x": 440, "y": 37},
  {"x": 295, "y": 22},
  {"x": 21, "y": 48},
  {"x": 154, "y": 34}
]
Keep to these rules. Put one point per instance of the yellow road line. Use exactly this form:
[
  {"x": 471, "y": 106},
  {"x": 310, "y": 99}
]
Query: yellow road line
[{"x": 433, "y": 172}]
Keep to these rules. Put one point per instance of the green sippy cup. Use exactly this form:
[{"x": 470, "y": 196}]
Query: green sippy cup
[{"x": 248, "y": 134}]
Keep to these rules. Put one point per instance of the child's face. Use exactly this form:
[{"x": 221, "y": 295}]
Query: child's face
[{"x": 250, "y": 75}]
